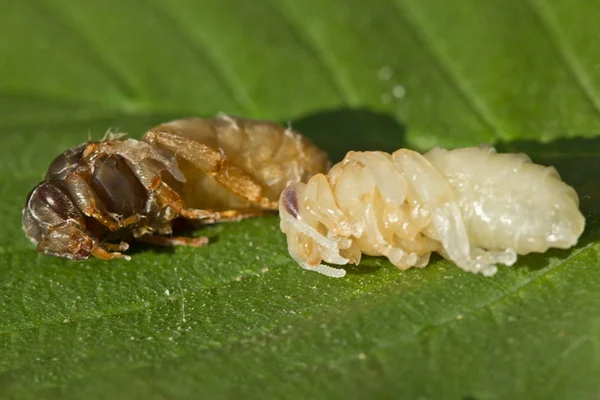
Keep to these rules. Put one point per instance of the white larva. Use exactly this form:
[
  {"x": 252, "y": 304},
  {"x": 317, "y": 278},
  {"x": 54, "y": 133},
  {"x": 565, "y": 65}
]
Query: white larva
[{"x": 473, "y": 206}]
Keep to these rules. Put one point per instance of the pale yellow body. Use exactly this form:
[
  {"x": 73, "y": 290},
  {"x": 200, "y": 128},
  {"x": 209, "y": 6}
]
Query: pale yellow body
[
  {"x": 273, "y": 156},
  {"x": 475, "y": 207}
]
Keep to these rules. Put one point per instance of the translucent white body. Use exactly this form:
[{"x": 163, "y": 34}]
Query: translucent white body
[{"x": 473, "y": 206}]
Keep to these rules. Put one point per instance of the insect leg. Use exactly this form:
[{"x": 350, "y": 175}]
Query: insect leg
[
  {"x": 170, "y": 198},
  {"x": 73, "y": 243},
  {"x": 239, "y": 214},
  {"x": 102, "y": 254},
  {"x": 435, "y": 193},
  {"x": 86, "y": 202},
  {"x": 123, "y": 246},
  {"x": 212, "y": 162},
  {"x": 169, "y": 241}
]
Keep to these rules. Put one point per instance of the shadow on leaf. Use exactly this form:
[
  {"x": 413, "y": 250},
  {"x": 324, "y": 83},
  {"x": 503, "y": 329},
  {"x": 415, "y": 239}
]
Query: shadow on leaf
[
  {"x": 368, "y": 265},
  {"x": 181, "y": 227},
  {"x": 338, "y": 131}
]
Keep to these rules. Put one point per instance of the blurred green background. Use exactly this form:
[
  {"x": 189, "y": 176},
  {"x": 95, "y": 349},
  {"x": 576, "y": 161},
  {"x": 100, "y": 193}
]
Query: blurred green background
[{"x": 238, "y": 318}]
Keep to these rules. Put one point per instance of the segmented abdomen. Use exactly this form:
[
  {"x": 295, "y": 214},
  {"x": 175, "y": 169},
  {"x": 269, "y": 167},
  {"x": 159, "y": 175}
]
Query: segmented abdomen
[
  {"x": 509, "y": 202},
  {"x": 473, "y": 206}
]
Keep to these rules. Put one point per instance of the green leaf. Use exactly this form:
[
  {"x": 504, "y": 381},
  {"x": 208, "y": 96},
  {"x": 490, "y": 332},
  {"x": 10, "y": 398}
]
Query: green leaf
[{"x": 238, "y": 318}]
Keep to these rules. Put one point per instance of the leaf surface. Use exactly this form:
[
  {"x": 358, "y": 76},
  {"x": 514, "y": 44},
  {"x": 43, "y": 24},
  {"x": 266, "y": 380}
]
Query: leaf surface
[{"x": 238, "y": 318}]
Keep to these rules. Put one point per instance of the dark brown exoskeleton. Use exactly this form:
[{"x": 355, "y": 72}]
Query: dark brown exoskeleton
[{"x": 214, "y": 170}]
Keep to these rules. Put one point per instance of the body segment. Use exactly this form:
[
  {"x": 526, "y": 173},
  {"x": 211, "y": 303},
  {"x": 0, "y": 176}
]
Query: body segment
[
  {"x": 473, "y": 206},
  {"x": 213, "y": 170}
]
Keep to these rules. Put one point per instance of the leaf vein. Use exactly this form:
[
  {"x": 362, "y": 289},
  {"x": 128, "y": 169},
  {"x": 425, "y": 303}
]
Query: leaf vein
[
  {"x": 548, "y": 22},
  {"x": 311, "y": 44},
  {"x": 51, "y": 99},
  {"x": 219, "y": 67},
  {"x": 377, "y": 347},
  {"x": 449, "y": 321},
  {"x": 120, "y": 79},
  {"x": 120, "y": 312},
  {"x": 443, "y": 64}
]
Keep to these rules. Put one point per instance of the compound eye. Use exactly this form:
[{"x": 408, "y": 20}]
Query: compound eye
[
  {"x": 50, "y": 205},
  {"x": 289, "y": 199}
]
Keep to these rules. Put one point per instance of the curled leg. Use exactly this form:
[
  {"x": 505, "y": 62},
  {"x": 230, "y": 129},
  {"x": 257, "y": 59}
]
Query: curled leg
[
  {"x": 116, "y": 247},
  {"x": 170, "y": 241},
  {"x": 212, "y": 162},
  {"x": 435, "y": 193},
  {"x": 307, "y": 246},
  {"x": 85, "y": 200},
  {"x": 167, "y": 197},
  {"x": 102, "y": 254},
  {"x": 70, "y": 241},
  {"x": 242, "y": 213}
]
